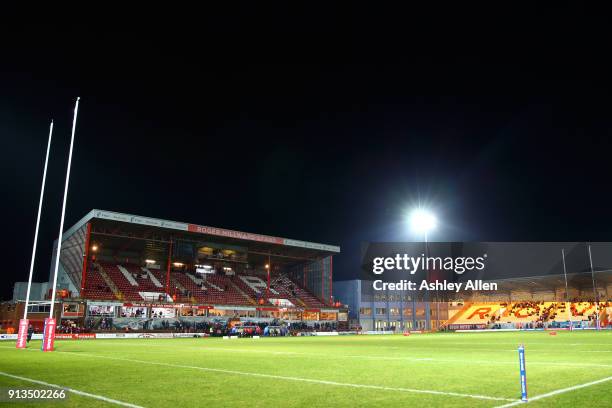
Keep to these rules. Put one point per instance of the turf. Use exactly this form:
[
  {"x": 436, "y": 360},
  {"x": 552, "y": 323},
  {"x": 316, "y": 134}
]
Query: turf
[{"x": 321, "y": 371}]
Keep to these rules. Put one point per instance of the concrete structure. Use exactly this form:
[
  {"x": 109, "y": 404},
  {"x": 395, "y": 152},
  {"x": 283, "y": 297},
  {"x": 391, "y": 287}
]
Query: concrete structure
[
  {"x": 382, "y": 310},
  {"x": 37, "y": 292}
]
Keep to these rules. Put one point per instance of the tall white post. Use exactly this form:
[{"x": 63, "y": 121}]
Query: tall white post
[
  {"x": 594, "y": 290},
  {"x": 61, "y": 228},
  {"x": 571, "y": 322},
  {"x": 40, "y": 202},
  {"x": 565, "y": 274}
]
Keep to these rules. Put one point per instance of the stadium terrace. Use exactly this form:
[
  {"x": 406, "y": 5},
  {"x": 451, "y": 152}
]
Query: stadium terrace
[{"x": 126, "y": 272}]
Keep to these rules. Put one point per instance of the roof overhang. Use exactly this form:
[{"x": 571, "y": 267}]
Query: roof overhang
[{"x": 198, "y": 229}]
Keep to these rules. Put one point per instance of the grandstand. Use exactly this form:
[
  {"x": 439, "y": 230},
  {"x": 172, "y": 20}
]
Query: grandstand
[
  {"x": 113, "y": 262},
  {"x": 545, "y": 297},
  {"x": 529, "y": 314},
  {"x": 539, "y": 302}
]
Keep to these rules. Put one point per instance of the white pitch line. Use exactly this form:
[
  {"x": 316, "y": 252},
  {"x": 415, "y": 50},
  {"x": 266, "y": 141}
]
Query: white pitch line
[
  {"x": 557, "y": 392},
  {"x": 400, "y": 358},
  {"x": 72, "y": 390},
  {"x": 301, "y": 379},
  {"x": 424, "y": 360}
]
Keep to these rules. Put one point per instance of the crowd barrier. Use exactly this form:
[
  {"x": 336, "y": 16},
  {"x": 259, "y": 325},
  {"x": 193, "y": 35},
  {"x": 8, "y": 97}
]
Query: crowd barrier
[
  {"x": 538, "y": 329},
  {"x": 91, "y": 336}
]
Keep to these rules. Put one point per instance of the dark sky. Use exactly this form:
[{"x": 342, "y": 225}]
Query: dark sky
[{"x": 321, "y": 124}]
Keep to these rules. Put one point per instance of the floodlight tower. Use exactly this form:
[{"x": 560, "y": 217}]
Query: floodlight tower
[{"x": 422, "y": 221}]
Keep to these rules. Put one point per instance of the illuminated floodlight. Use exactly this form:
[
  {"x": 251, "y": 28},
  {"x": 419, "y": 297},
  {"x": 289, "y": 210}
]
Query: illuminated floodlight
[
  {"x": 422, "y": 221},
  {"x": 149, "y": 261}
]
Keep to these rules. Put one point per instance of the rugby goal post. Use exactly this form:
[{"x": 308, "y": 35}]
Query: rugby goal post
[
  {"x": 50, "y": 323},
  {"x": 24, "y": 323}
]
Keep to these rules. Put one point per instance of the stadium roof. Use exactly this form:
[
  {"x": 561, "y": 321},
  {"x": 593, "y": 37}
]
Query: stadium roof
[
  {"x": 574, "y": 280},
  {"x": 198, "y": 229}
]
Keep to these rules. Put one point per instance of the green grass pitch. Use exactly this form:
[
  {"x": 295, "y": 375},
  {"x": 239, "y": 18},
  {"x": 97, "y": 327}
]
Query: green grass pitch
[{"x": 435, "y": 370}]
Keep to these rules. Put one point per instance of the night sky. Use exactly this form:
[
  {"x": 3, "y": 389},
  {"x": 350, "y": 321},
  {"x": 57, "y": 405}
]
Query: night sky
[{"x": 319, "y": 124}]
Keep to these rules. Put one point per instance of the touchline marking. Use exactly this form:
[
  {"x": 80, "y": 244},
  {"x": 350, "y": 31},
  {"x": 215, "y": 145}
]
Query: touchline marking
[
  {"x": 557, "y": 392},
  {"x": 424, "y": 360},
  {"x": 400, "y": 358},
  {"x": 308, "y": 380},
  {"x": 72, "y": 390}
]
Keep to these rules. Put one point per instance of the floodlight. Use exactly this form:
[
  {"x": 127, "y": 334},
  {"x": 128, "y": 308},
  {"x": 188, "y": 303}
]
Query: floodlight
[{"x": 422, "y": 221}]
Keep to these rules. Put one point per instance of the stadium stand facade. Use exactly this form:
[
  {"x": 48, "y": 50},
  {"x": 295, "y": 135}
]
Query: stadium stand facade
[
  {"x": 534, "y": 303},
  {"x": 119, "y": 271},
  {"x": 530, "y": 315}
]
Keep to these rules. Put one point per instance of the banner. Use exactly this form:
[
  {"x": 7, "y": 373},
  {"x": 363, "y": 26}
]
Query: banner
[
  {"x": 247, "y": 308},
  {"x": 148, "y": 335},
  {"x": 23, "y": 333},
  {"x": 8, "y": 337},
  {"x": 117, "y": 335},
  {"x": 221, "y": 232},
  {"x": 110, "y": 335},
  {"x": 109, "y": 215},
  {"x": 49, "y": 334},
  {"x": 155, "y": 335},
  {"x": 160, "y": 305},
  {"x": 75, "y": 336},
  {"x": 473, "y": 326},
  {"x": 99, "y": 303},
  {"x": 190, "y": 335}
]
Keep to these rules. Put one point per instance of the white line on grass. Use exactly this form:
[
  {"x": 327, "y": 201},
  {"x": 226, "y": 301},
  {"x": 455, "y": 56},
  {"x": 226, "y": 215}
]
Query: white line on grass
[
  {"x": 557, "y": 392},
  {"x": 424, "y": 360},
  {"x": 72, "y": 390},
  {"x": 400, "y": 358},
  {"x": 301, "y": 379}
]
